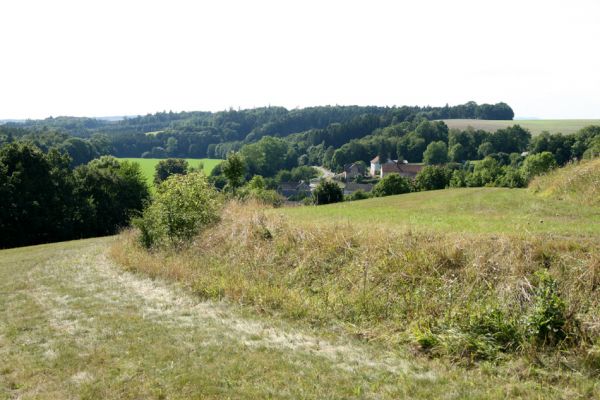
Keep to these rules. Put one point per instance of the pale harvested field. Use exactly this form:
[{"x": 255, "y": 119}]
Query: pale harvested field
[{"x": 535, "y": 126}]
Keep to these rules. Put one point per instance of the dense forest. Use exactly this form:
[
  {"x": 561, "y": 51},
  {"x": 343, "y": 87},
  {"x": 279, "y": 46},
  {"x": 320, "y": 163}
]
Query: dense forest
[{"x": 214, "y": 135}]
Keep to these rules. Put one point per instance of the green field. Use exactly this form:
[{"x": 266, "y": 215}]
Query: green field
[
  {"x": 469, "y": 210},
  {"x": 536, "y": 127},
  {"x": 148, "y": 164}
]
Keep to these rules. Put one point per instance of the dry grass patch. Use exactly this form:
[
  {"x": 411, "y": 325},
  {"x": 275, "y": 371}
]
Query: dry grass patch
[
  {"x": 458, "y": 295},
  {"x": 577, "y": 182}
]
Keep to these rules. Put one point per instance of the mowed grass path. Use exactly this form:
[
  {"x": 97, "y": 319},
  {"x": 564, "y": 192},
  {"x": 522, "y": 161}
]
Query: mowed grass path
[
  {"x": 535, "y": 126},
  {"x": 148, "y": 165},
  {"x": 468, "y": 210},
  {"x": 73, "y": 325}
]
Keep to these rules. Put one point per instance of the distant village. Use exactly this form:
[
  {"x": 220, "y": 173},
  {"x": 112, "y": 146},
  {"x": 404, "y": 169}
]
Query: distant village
[{"x": 355, "y": 177}]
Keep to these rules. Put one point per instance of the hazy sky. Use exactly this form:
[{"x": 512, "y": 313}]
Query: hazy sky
[{"x": 101, "y": 58}]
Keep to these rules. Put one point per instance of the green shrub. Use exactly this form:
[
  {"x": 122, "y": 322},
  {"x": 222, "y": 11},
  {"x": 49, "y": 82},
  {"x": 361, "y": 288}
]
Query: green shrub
[
  {"x": 182, "y": 206},
  {"x": 497, "y": 326},
  {"x": 392, "y": 184},
  {"x": 328, "y": 192},
  {"x": 546, "y": 320},
  {"x": 358, "y": 195}
]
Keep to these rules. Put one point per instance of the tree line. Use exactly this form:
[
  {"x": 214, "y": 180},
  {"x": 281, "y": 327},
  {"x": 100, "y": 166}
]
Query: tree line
[
  {"x": 214, "y": 135},
  {"x": 45, "y": 200}
]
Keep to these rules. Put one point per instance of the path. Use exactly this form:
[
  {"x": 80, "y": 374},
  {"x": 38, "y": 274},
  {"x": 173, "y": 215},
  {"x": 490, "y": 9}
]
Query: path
[{"x": 74, "y": 325}]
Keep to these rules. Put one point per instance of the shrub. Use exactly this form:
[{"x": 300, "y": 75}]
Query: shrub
[
  {"x": 182, "y": 206},
  {"x": 328, "y": 192},
  {"x": 546, "y": 321},
  {"x": 538, "y": 164},
  {"x": 168, "y": 167},
  {"x": 256, "y": 190},
  {"x": 392, "y": 184},
  {"x": 358, "y": 195},
  {"x": 433, "y": 178}
]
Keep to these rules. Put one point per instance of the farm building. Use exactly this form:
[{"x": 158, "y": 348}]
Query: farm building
[
  {"x": 402, "y": 168},
  {"x": 353, "y": 170}
]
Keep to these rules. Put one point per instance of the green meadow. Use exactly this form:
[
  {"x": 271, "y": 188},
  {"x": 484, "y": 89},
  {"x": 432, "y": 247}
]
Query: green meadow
[
  {"x": 535, "y": 126},
  {"x": 148, "y": 165},
  {"x": 468, "y": 210}
]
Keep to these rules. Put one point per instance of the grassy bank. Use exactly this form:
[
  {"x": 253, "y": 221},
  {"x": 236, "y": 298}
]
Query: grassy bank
[
  {"x": 503, "y": 282},
  {"x": 471, "y": 301}
]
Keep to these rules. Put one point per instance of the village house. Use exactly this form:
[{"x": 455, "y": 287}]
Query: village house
[
  {"x": 353, "y": 170},
  {"x": 402, "y": 168},
  {"x": 375, "y": 167}
]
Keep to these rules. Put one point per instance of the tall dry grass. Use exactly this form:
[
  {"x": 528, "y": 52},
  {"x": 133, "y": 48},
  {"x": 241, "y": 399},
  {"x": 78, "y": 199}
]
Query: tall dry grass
[
  {"x": 464, "y": 296},
  {"x": 577, "y": 182}
]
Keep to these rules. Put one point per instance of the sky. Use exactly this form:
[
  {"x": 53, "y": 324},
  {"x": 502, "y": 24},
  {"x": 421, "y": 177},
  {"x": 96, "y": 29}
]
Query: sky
[{"x": 110, "y": 58}]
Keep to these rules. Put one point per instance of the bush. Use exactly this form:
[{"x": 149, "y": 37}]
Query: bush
[
  {"x": 433, "y": 178},
  {"x": 328, "y": 192},
  {"x": 546, "y": 322},
  {"x": 168, "y": 167},
  {"x": 392, "y": 184},
  {"x": 358, "y": 195},
  {"x": 182, "y": 206},
  {"x": 538, "y": 164},
  {"x": 256, "y": 189}
]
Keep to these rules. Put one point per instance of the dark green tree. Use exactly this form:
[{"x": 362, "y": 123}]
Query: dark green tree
[
  {"x": 392, "y": 184},
  {"x": 168, "y": 167},
  {"x": 328, "y": 192},
  {"x": 433, "y": 177},
  {"x": 436, "y": 153},
  {"x": 116, "y": 191},
  {"x": 234, "y": 169}
]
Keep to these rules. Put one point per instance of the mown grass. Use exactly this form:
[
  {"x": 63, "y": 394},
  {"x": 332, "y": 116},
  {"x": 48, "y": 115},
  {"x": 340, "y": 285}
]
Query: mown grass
[
  {"x": 467, "y": 210},
  {"x": 74, "y": 326},
  {"x": 148, "y": 165},
  {"x": 565, "y": 126}
]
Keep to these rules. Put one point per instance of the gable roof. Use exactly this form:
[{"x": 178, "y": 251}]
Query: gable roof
[
  {"x": 348, "y": 167},
  {"x": 375, "y": 160},
  {"x": 401, "y": 168}
]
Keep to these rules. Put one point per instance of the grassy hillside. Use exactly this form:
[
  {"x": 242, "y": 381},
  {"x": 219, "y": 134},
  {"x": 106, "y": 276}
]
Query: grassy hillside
[
  {"x": 535, "y": 126},
  {"x": 74, "y": 325},
  {"x": 469, "y": 210},
  {"x": 502, "y": 284},
  {"x": 148, "y": 165},
  {"x": 576, "y": 183}
]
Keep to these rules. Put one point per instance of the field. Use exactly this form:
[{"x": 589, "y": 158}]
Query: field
[
  {"x": 470, "y": 210},
  {"x": 441, "y": 294},
  {"x": 536, "y": 127},
  {"x": 148, "y": 164},
  {"x": 75, "y": 325}
]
